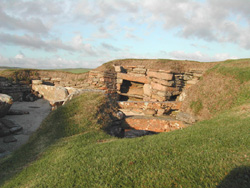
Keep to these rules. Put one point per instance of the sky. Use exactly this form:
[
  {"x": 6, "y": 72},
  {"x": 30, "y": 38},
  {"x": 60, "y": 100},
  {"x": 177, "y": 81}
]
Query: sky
[{"x": 50, "y": 34}]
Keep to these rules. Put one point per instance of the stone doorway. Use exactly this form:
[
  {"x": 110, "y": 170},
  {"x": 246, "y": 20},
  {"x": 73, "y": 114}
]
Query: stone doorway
[{"x": 131, "y": 91}]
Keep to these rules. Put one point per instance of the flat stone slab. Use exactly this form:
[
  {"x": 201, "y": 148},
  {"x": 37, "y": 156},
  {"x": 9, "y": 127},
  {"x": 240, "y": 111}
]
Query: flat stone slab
[
  {"x": 16, "y": 129},
  {"x": 17, "y": 112},
  {"x": 8, "y": 123},
  {"x": 9, "y": 139}
]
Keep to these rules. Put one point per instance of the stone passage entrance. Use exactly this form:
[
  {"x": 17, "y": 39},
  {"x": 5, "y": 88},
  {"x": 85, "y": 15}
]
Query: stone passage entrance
[
  {"x": 150, "y": 98},
  {"x": 132, "y": 91}
]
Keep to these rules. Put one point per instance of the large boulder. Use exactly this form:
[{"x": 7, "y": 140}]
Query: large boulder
[
  {"x": 51, "y": 93},
  {"x": 5, "y": 103}
]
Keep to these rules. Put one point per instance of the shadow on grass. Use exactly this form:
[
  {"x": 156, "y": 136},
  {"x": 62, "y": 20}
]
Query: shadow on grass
[{"x": 237, "y": 178}]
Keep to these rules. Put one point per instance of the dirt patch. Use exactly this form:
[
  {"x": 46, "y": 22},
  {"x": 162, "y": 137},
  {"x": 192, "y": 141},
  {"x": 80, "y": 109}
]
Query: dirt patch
[{"x": 38, "y": 110}]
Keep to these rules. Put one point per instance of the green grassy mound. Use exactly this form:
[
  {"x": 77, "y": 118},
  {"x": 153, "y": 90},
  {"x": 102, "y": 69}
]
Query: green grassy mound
[{"x": 71, "y": 150}]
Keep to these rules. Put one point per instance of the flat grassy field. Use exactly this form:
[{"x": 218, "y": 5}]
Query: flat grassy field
[
  {"x": 75, "y": 71},
  {"x": 70, "y": 149}
]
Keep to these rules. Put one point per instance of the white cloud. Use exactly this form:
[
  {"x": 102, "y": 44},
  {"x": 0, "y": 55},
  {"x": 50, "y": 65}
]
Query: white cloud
[
  {"x": 20, "y": 56},
  {"x": 199, "y": 56},
  {"x": 47, "y": 63}
]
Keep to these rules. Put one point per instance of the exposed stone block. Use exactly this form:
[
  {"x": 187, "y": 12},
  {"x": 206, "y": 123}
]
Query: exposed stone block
[
  {"x": 163, "y": 82},
  {"x": 147, "y": 89},
  {"x": 132, "y": 77},
  {"x": 51, "y": 93},
  {"x": 160, "y": 75},
  {"x": 119, "y": 81},
  {"x": 37, "y": 82},
  {"x": 192, "y": 82},
  {"x": 56, "y": 79},
  {"x": 159, "y": 87},
  {"x": 118, "y": 68}
]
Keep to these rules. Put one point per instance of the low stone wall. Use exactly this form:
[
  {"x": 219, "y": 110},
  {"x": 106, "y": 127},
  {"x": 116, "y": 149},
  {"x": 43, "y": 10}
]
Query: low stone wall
[
  {"x": 15, "y": 89},
  {"x": 148, "y": 108},
  {"x": 156, "y": 85},
  {"x": 153, "y": 124},
  {"x": 102, "y": 80}
]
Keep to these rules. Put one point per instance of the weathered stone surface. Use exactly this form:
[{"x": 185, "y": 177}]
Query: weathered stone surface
[
  {"x": 154, "y": 124},
  {"x": 132, "y": 77},
  {"x": 164, "y": 82},
  {"x": 173, "y": 105},
  {"x": 160, "y": 75},
  {"x": 9, "y": 139},
  {"x": 147, "y": 89},
  {"x": 150, "y": 112},
  {"x": 119, "y": 81},
  {"x": 16, "y": 129},
  {"x": 139, "y": 70},
  {"x": 159, "y": 87},
  {"x": 45, "y": 79},
  {"x": 5, "y": 103},
  {"x": 37, "y": 82},
  {"x": 51, "y": 93},
  {"x": 8, "y": 123},
  {"x": 160, "y": 112},
  {"x": 182, "y": 96},
  {"x": 71, "y": 90},
  {"x": 118, "y": 68},
  {"x": 192, "y": 82},
  {"x": 17, "y": 112},
  {"x": 56, "y": 79},
  {"x": 187, "y": 118}
]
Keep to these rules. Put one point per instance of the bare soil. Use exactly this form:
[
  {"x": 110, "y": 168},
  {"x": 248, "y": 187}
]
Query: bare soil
[{"x": 38, "y": 111}]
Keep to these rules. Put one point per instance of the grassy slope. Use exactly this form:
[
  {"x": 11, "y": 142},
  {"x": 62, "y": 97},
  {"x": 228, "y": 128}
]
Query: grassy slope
[
  {"x": 75, "y": 71},
  {"x": 223, "y": 87},
  {"x": 73, "y": 151}
]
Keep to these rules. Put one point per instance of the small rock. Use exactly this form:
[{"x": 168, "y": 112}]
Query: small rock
[
  {"x": 187, "y": 118},
  {"x": 16, "y": 129},
  {"x": 9, "y": 139}
]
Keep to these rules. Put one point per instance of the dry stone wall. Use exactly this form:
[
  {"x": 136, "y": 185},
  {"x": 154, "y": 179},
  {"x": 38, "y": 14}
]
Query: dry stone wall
[{"x": 139, "y": 83}]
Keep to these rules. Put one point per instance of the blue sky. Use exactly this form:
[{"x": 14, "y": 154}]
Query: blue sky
[{"x": 87, "y": 33}]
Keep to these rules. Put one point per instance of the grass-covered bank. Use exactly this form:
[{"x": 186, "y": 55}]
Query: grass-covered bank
[{"x": 202, "y": 155}]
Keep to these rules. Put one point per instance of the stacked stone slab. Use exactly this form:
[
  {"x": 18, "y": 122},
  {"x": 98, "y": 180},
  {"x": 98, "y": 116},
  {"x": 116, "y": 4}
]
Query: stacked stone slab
[
  {"x": 148, "y": 108},
  {"x": 157, "y": 85},
  {"x": 15, "y": 89}
]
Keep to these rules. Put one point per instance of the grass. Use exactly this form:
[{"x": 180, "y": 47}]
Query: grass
[
  {"x": 75, "y": 71},
  {"x": 74, "y": 152},
  {"x": 71, "y": 150}
]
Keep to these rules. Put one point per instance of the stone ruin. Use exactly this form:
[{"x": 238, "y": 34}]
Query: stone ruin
[{"x": 149, "y": 98}]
